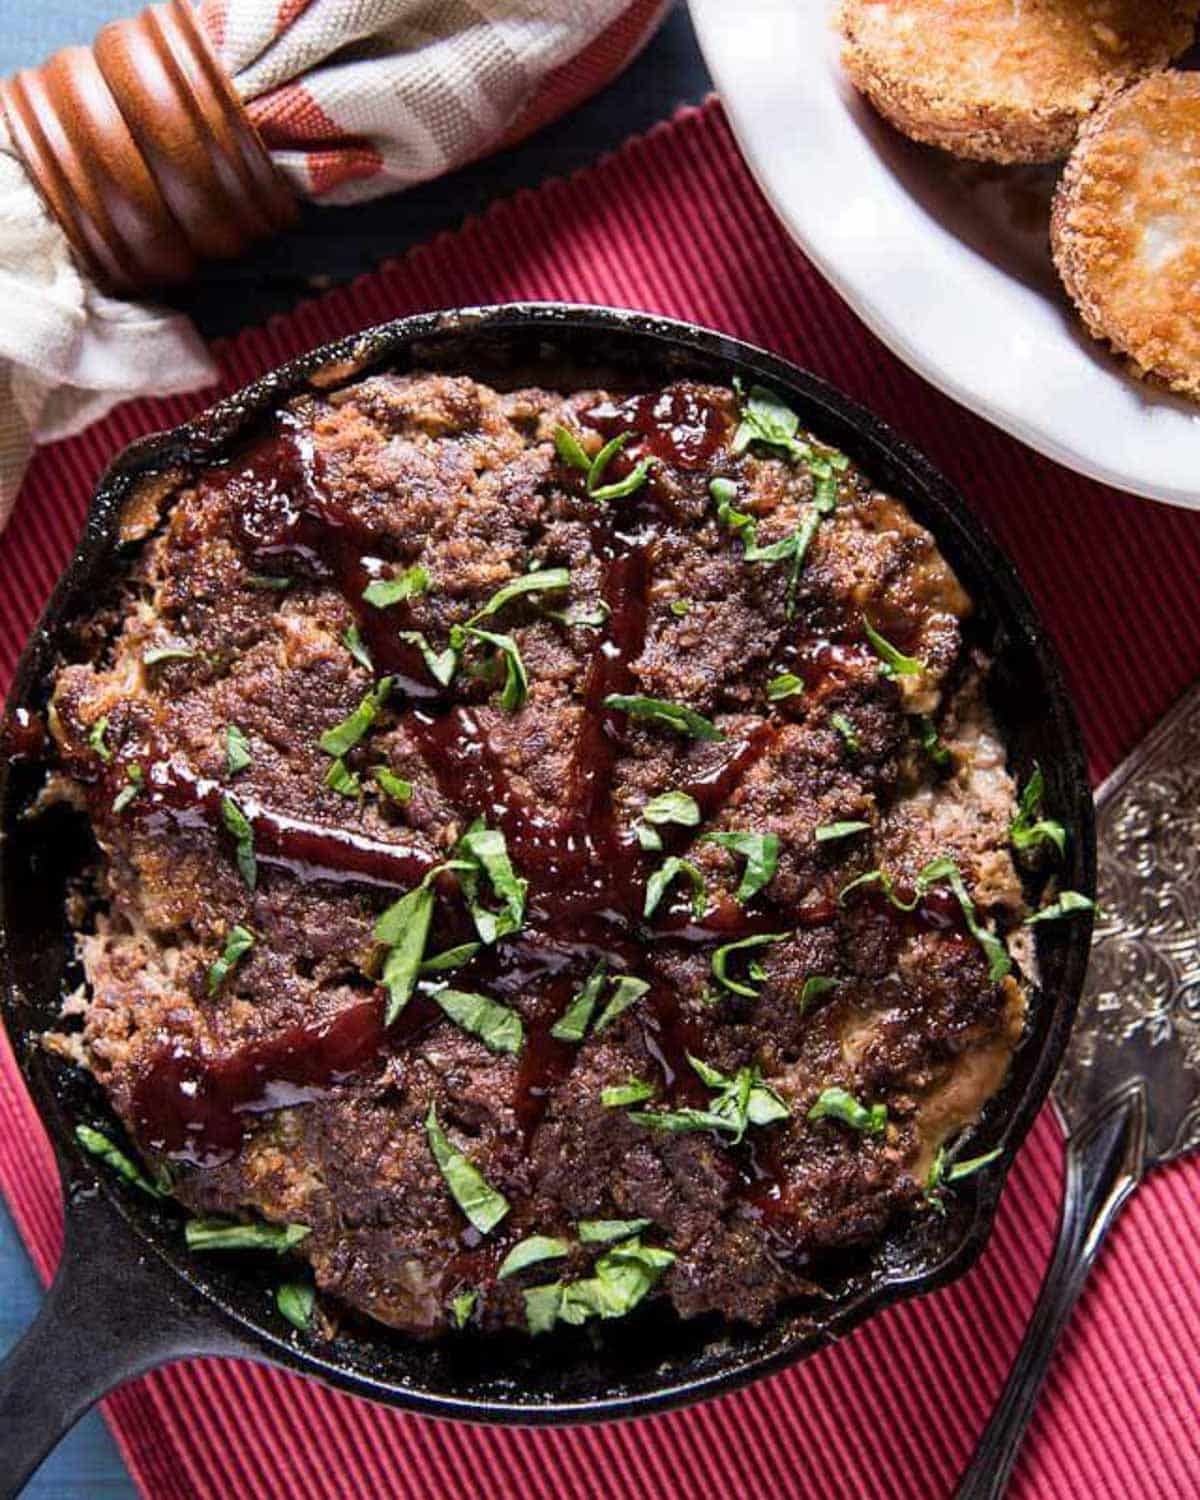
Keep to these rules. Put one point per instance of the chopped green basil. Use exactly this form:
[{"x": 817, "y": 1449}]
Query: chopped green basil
[
  {"x": 342, "y": 779},
  {"x": 930, "y": 742},
  {"x": 676, "y": 716},
  {"x": 831, "y": 833},
  {"x": 589, "y": 616},
  {"x": 135, "y": 776},
  {"x": 672, "y": 807},
  {"x": 844, "y": 727},
  {"x": 741, "y": 1101},
  {"x": 572, "y": 1025},
  {"x": 621, "y": 1095},
  {"x": 357, "y": 647},
  {"x": 632, "y": 482},
  {"x": 814, "y": 987},
  {"x": 544, "y": 581},
  {"x": 1068, "y": 904},
  {"x": 385, "y": 592},
  {"x": 761, "y": 853},
  {"x": 296, "y": 1300},
  {"x": 124, "y": 1166},
  {"x": 404, "y": 930},
  {"x": 572, "y": 452},
  {"x": 481, "y": 1203},
  {"x": 497, "y": 1027},
  {"x": 786, "y": 685},
  {"x": 999, "y": 963},
  {"x": 532, "y": 1252},
  {"x": 892, "y": 663},
  {"x": 268, "y": 582},
  {"x": 238, "y": 824},
  {"x": 680, "y": 607},
  {"x": 516, "y": 679},
  {"x": 462, "y": 1305},
  {"x": 669, "y": 870},
  {"x": 722, "y": 955},
  {"x": 626, "y": 990},
  {"x": 766, "y": 419},
  {"x": 1029, "y": 829},
  {"x": 442, "y": 665},
  {"x": 228, "y": 1234},
  {"x": 237, "y": 944},
  {"x": 159, "y": 654},
  {"x": 346, "y": 735},
  {"x": 837, "y": 1104},
  {"x": 237, "y": 750},
  {"x": 450, "y": 958},
  {"x": 943, "y": 1172},
  {"x": 485, "y": 848},
  {"x": 605, "y": 1231},
  {"x": 647, "y": 837},
  {"x": 96, "y": 738},
  {"x": 570, "y": 449},
  {"x": 621, "y": 1278},
  {"x": 392, "y": 785}
]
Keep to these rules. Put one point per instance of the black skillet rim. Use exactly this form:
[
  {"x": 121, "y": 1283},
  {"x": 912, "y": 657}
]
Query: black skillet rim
[{"x": 890, "y": 461}]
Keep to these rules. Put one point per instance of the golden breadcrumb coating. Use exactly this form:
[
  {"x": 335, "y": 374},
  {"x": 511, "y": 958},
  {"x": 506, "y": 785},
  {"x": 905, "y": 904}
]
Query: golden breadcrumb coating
[
  {"x": 1005, "y": 80},
  {"x": 1126, "y": 228}
]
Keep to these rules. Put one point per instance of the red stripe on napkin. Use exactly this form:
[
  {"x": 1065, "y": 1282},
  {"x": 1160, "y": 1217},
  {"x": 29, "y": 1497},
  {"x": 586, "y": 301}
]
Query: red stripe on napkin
[{"x": 674, "y": 224}]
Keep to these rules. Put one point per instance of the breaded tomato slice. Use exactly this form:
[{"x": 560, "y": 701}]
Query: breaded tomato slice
[
  {"x": 1126, "y": 227},
  {"x": 1005, "y": 80}
]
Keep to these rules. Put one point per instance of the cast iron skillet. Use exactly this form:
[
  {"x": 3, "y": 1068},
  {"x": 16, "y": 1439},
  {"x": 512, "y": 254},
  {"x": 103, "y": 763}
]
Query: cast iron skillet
[{"x": 128, "y": 1296}]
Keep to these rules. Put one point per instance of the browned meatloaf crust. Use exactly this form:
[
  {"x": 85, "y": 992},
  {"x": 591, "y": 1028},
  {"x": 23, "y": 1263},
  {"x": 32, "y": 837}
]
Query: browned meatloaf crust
[{"x": 274, "y": 1091}]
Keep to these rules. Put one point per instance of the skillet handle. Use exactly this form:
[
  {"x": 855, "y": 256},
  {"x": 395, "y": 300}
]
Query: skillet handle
[{"x": 113, "y": 1312}]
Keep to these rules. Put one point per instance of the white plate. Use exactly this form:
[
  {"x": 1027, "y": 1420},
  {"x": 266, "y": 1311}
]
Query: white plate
[{"x": 948, "y": 262}]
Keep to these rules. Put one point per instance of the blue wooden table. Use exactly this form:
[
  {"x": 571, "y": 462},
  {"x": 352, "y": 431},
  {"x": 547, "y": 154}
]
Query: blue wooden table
[{"x": 328, "y": 244}]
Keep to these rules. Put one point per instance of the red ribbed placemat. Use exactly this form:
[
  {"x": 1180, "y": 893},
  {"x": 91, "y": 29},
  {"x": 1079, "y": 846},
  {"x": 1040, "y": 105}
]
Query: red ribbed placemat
[{"x": 674, "y": 224}]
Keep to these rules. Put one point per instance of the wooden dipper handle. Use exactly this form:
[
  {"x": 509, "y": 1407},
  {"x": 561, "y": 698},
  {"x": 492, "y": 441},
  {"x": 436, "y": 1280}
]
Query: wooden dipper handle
[{"x": 144, "y": 153}]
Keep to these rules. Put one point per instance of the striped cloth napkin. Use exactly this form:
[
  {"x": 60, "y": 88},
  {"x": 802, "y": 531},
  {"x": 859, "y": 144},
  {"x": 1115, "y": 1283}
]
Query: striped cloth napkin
[{"x": 354, "y": 99}]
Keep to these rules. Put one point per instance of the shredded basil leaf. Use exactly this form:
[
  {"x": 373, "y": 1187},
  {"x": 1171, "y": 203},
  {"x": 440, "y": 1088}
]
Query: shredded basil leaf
[
  {"x": 672, "y": 807},
  {"x": 228, "y": 1234},
  {"x": 516, "y": 679},
  {"x": 392, "y": 785},
  {"x": 831, "y": 833},
  {"x": 346, "y": 735},
  {"x": 572, "y": 1025},
  {"x": 605, "y": 1231},
  {"x": 239, "y": 826},
  {"x": 761, "y": 853},
  {"x": 296, "y": 1300},
  {"x": 741, "y": 1101},
  {"x": 342, "y": 779},
  {"x": 943, "y": 1172},
  {"x": 404, "y": 930},
  {"x": 97, "y": 741},
  {"x": 353, "y": 641},
  {"x": 572, "y": 452},
  {"x": 930, "y": 742},
  {"x": 1068, "y": 904},
  {"x": 481, "y": 1203},
  {"x": 786, "y": 685},
  {"x": 676, "y": 716},
  {"x": 159, "y": 654},
  {"x": 892, "y": 663},
  {"x": 570, "y": 449},
  {"x": 532, "y": 1252},
  {"x": 999, "y": 963},
  {"x": 441, "y": 665},
  {"x": 722, "y": 955},
  {"x": 621, "y": 1095},
  {"x": 268, "y": 582},
  {"x": 669, "y": 870},
  {"x": 1029, "y": 829},
  {"x": 462, "y": 1305},
  {"x": 626, "y": 990},
  {"x": 680, "y": 607},
  {"x": 497, "y": 1027},
  {"x": 814, "y": 987},
  {"x": 385, "y": 592},
  {"x": 237, "y": 750},
  {"x": 450, "y": 958},
  {"x": 844, "y": 727},
  {"x": 544, "y": 581},
  {"x": 238, "y": 943},
  {"x": 766, "y": 419},
  {"x": 137, "y": 780},
  {"x": 632, "y": 482},
  {"x": 621, "y": 1278},
  {"x": 124, "y": 1166},
  {"x": 485, "y": 848},
  {"x": 837, "y": 1104}
]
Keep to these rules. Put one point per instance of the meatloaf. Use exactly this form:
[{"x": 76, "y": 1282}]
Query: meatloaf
[{"x": 554, "y": 854}]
